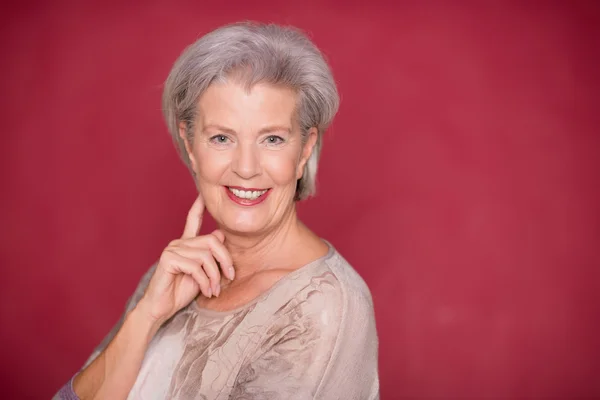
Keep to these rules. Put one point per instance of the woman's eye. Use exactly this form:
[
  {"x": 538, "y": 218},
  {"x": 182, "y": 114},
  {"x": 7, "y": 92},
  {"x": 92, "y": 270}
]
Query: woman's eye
[
  {"x": 273, "y": 139},
  {"x": 219, "y": 139}
]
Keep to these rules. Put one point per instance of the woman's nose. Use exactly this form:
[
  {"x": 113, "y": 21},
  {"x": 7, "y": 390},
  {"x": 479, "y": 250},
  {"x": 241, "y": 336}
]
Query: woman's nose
[{"x": 246, "y": 162}]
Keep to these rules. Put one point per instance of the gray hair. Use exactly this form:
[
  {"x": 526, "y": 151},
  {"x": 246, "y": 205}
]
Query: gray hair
[{"x": 252, "y": 53}]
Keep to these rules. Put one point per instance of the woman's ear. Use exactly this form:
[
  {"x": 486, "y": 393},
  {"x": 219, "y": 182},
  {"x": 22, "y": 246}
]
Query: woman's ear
[
  {"x": 188, "y": 147},
  {"x": 307, "y": 150}
]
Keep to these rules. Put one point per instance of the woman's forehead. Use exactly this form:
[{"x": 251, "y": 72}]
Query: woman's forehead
[{"x": 263, "y": 105}]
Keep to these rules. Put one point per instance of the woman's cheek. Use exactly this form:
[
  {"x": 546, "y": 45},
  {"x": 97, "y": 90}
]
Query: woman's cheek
[
  {"x": 213, "y": 164},
  {"x": 283, "y": 166}
]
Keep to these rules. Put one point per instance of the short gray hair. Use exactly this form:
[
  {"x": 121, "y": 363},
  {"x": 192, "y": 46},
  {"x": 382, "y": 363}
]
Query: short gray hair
[{"x": 253, "y": 53}]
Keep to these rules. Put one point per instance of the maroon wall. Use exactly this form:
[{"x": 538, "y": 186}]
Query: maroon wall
[{"x": 461, "y": 179}]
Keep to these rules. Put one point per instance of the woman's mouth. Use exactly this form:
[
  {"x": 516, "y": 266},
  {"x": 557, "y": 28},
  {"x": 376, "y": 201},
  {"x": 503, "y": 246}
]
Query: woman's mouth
[{"x": 245, "y": 196}]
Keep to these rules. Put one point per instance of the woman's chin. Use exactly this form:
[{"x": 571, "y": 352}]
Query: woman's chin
[{"x": 243, "y": 227}]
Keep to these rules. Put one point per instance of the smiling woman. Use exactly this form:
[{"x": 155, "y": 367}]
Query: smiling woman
[
  {"x": 247, "y": 147},
  {"x": 261, "y": 308}
]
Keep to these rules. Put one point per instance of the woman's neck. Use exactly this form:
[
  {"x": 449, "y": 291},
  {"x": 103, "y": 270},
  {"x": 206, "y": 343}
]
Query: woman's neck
[{"x": 253, "y": 253}]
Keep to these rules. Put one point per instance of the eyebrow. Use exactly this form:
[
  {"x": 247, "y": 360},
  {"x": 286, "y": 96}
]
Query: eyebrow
[{"x": 268, "y": 129}]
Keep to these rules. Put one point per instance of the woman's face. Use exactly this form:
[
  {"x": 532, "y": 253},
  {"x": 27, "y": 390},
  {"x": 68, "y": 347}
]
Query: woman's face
[{"x": 248, "y": 154}]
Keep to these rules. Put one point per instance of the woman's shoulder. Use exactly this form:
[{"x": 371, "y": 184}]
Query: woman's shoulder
[
  {"x": 325, "y": 304},
  {"x": 343, "y": 277},
  {"x": 349, "y": 281},
  {"x": 329, "y": 285}
]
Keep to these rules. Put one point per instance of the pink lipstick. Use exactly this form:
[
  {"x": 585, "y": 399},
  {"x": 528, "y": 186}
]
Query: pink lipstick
[{"x": 243, "y": 191}]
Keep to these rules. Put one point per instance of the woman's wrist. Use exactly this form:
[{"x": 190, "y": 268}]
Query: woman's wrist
[
  {"x": 142, "y": 321},
  {"x": 122, "y": 359}
]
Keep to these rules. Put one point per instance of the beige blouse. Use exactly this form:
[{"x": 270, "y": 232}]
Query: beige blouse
[{"x": 311, "y": 336}]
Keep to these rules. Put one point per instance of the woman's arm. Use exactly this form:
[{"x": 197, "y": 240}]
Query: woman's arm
[
  {"x": 112, "y": 374},
  {"x": 187, "y": 266},
  {"x": 66, "y": 392}
]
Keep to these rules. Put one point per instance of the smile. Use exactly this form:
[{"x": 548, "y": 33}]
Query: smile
[
  {"x": 247, "y": 194},
  {"x": 246, "y": 197}
]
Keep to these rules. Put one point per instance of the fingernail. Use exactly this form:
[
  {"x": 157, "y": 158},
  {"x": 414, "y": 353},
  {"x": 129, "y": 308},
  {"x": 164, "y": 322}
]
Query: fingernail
[
  {"x": 209, "y": 293},
  {"x": 231, "y": 272},
  {"x": 217, "y": 290}
]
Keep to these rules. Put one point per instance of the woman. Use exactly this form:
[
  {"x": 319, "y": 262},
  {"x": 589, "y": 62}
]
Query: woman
[{"x": 261, "y": 308}]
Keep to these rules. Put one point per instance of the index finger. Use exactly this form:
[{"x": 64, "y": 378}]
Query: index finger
[{"x": 193, "y": 222}]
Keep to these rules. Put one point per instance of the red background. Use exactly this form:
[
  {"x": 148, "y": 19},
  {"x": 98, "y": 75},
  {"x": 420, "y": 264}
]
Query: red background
[{"x": 461, "y": 178}]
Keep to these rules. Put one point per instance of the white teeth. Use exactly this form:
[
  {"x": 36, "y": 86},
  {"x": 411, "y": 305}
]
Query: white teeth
[{"x": 247, "y": 194}]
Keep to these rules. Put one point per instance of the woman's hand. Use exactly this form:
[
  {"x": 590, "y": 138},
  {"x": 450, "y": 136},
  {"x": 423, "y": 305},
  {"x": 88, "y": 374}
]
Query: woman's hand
[{"x": 186, "y": 267}]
